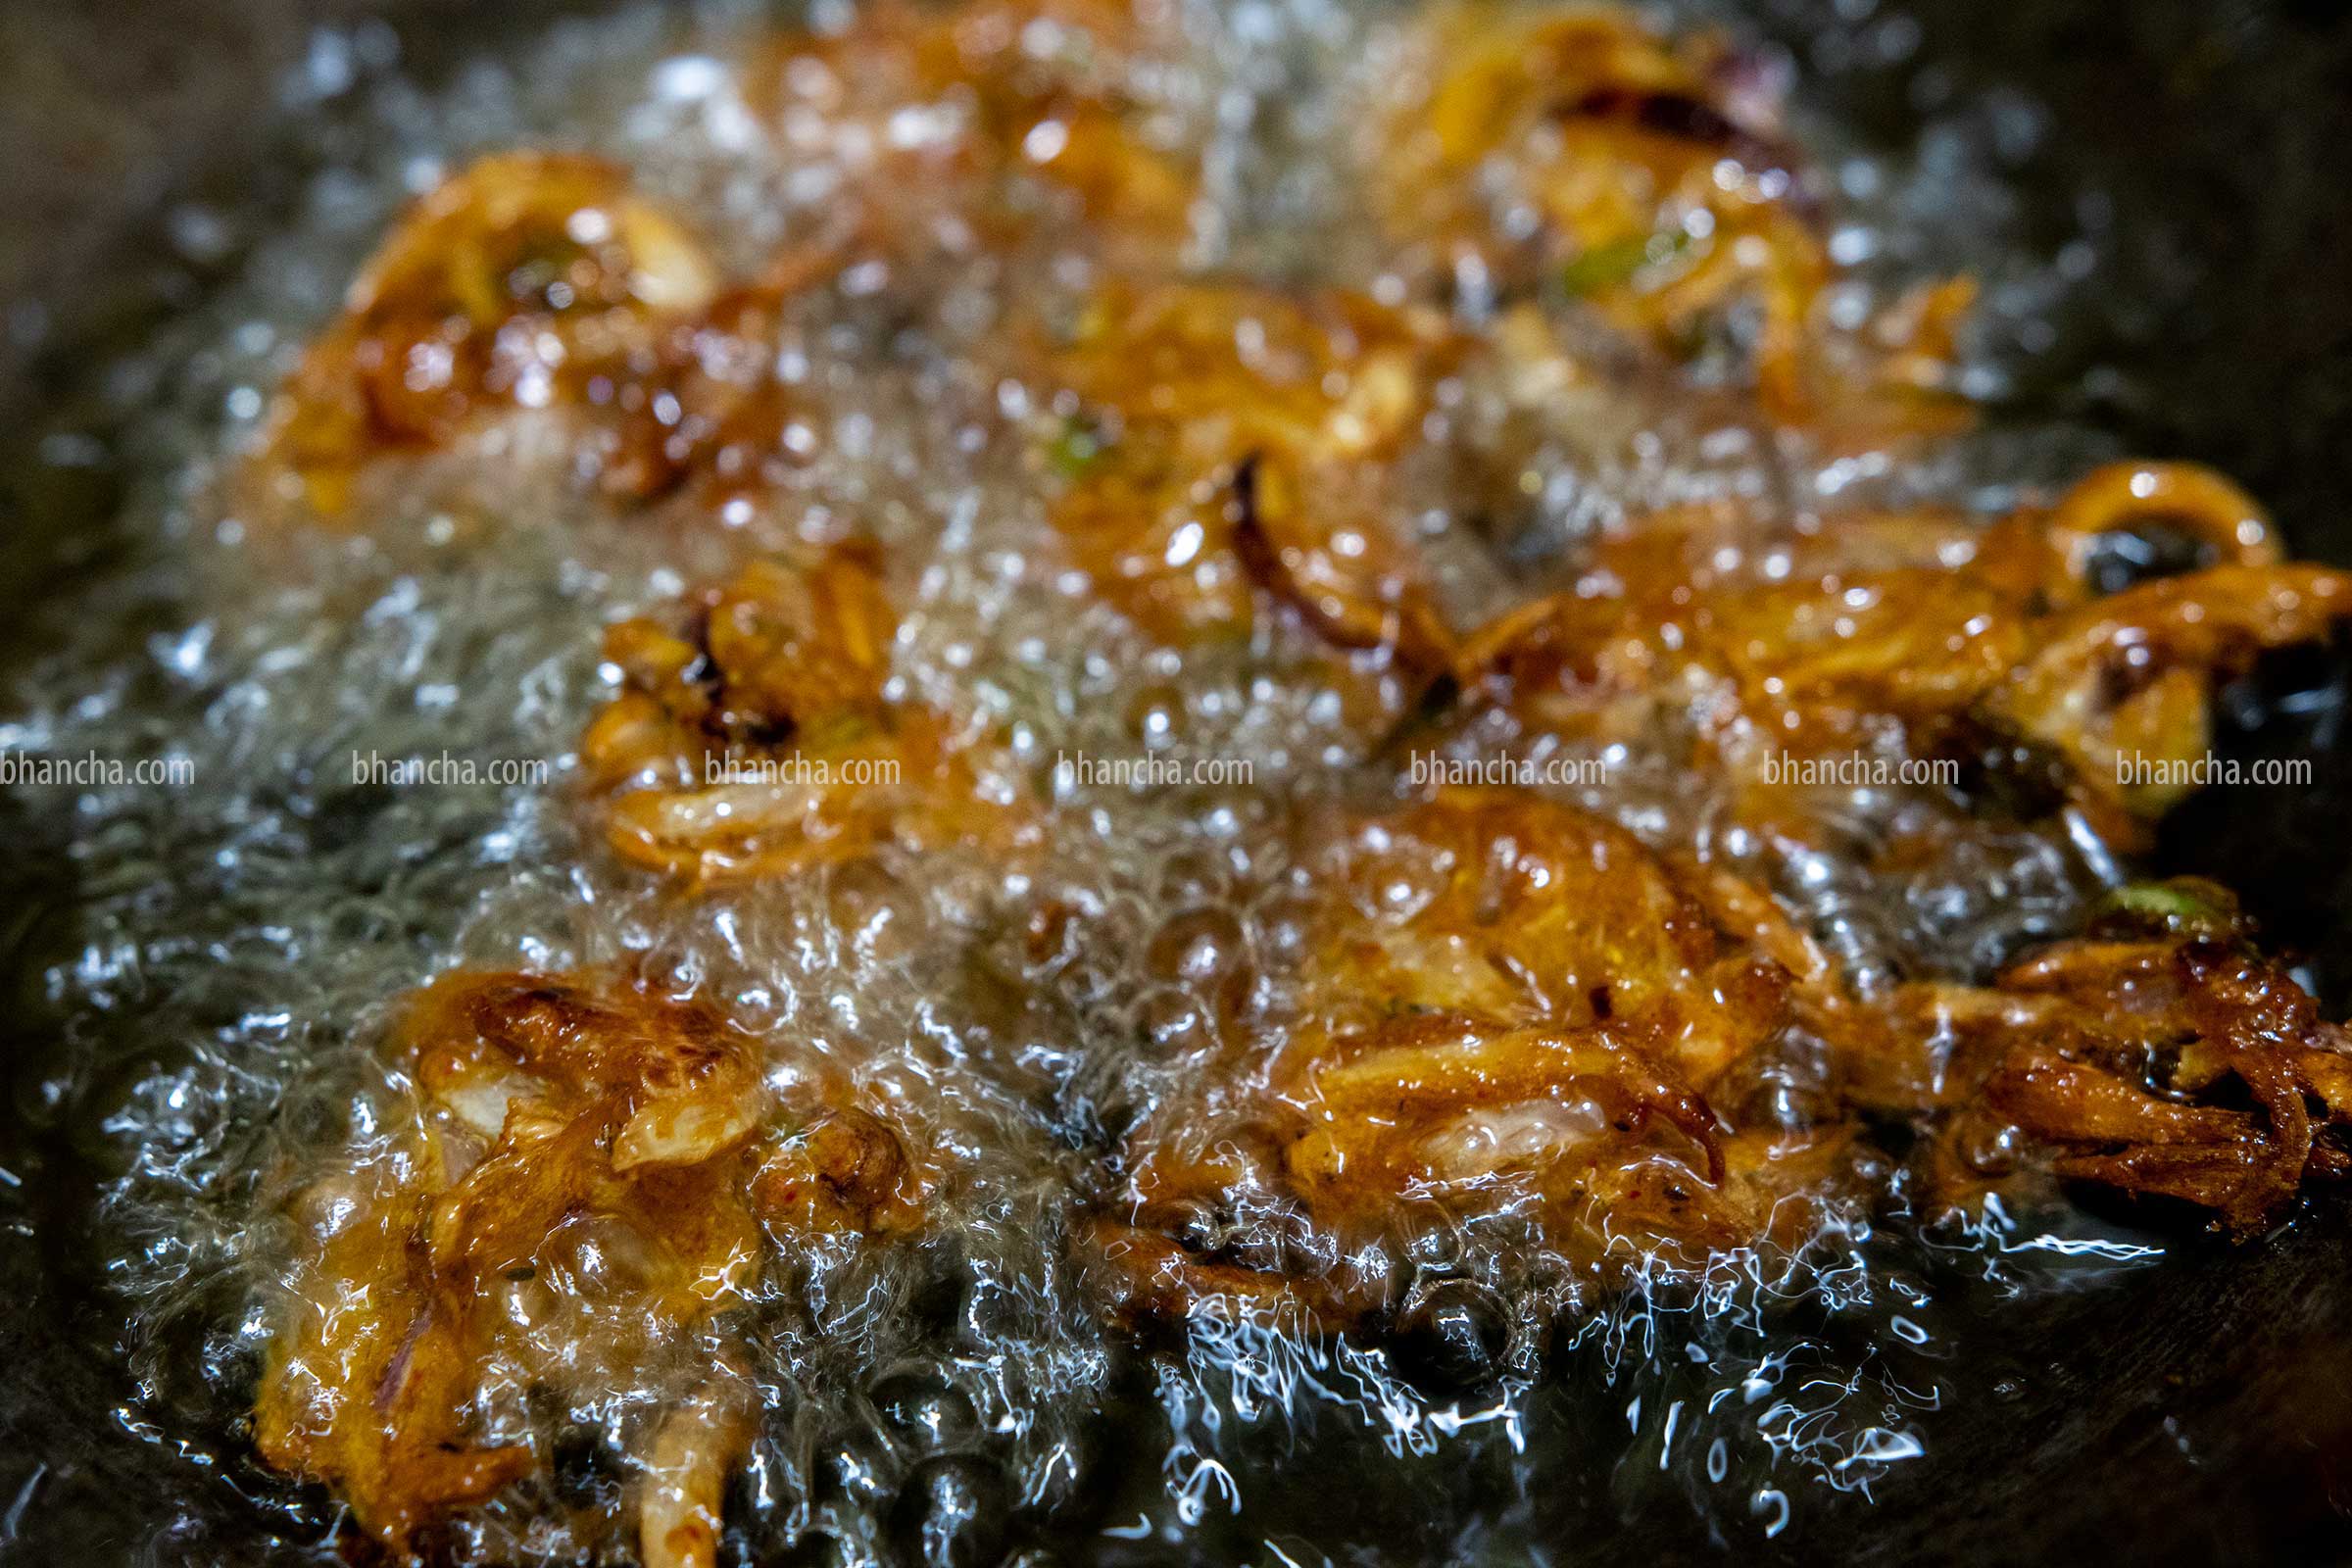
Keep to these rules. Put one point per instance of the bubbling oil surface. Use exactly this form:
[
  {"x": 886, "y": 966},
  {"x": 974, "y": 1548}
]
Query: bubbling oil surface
[{"x": 234, "y": 946}]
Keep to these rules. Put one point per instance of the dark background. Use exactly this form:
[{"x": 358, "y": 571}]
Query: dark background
[{"x": 2201, "y": 1414}]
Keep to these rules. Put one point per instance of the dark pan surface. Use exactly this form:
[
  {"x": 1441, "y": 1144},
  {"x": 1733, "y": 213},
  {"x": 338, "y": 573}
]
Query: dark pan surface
[{"x": 2201, "y": 1411}]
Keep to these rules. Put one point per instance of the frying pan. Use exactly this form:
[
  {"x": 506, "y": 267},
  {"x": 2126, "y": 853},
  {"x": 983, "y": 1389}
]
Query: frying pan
[{"x": 2199, "y": 1410}]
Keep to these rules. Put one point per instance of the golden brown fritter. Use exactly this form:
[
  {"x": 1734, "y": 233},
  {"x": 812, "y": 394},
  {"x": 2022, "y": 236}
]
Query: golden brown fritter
[
  {"x": 2159, "y": 1054},
  {"x": 519, "y": 282},
  {"x": 591, "y": 1171},
  {"x": 1767, "y": 642},
  {"x": 1500, "y": 1005},
  {"x": 754, "y": 740},
  {"x": 1660, "y": 196},
  {"x": 1230, "y": 436}
]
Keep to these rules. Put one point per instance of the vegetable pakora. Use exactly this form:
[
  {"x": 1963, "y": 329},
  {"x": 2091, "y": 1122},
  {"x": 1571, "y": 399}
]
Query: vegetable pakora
[
  {"x": 757, "y": 740},
  {"x": 589, "y": 1173}
]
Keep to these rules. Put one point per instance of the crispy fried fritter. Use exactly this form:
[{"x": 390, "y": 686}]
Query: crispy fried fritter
[
  {"x": 2158, "y": 1055},
  {"x": 757, "y": 740},
  {"x": 519, "y": 282},
  {"x": 1661, "y": 196},
  {"x": 1235, "y": 435},
  {"x": 593, "y": 1169},
  {"x": 1500, "y": 1005},
  {"x": 1765, "y": 640}
]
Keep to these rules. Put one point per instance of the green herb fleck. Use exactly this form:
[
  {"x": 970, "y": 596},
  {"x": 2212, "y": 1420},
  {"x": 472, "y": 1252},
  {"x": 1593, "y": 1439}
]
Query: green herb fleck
[
  {"x": 1078, "y": 447},
  {"x": 2183, "y": 905},
  {"x": 1613, "y": 265}
]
